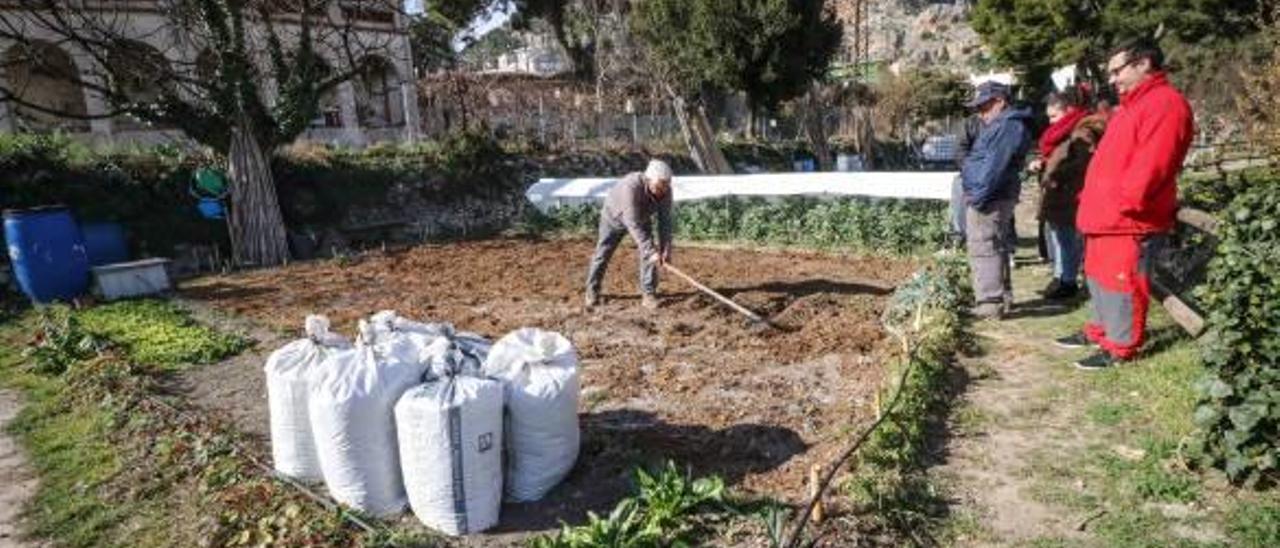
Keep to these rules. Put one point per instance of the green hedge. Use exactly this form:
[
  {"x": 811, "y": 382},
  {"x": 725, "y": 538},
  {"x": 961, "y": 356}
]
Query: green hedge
[
  {"x": 146, "y": 189},
  {"x": 924, "y": 314},
  {"x": 866, "y": 224},
  {"x": 1239, "y": 410}
]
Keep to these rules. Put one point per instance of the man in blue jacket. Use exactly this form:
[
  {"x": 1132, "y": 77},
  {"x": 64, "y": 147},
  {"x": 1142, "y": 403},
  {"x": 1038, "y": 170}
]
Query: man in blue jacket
[{"x": 991, "y": 187}]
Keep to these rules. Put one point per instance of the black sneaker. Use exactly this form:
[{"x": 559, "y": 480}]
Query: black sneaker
[
  {"x": 1096, "y": 362},
  {"x": 1062, "y": 292},
  {"x": 1052, "y": 288},
  {"x": 1074, "y": 340}
]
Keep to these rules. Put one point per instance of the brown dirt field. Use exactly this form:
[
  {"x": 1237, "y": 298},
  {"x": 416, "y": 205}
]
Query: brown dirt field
[{"x": 691, "y": 382}]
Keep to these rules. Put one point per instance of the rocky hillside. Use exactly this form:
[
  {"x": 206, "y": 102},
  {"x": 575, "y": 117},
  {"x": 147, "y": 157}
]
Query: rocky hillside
[{"x": 919, "y": 33}]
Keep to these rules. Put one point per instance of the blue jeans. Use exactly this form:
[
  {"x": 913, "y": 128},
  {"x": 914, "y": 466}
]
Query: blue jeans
[{"x": 1066, "y": 250}]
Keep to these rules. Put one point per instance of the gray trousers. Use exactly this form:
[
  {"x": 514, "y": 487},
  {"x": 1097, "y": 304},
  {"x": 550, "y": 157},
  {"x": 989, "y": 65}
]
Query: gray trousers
[
  {"x": 958, "y": 208},
  {"x": 610, "y": 234},
  {"x": 990, "y": 246}
]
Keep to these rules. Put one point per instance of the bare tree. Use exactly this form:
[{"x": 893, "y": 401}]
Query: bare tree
[{"x": 240, "y": 76}]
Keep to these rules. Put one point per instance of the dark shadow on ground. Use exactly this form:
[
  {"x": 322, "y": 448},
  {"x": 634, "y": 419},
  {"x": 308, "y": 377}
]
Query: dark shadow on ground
[
  {"x": 810, "y": 287},
  {"x": 615, "y": 442},
  {"x": 219, "y": 290},
  {"x": 1041, "y": 307},
  {"x": 1162, "y": 338}
]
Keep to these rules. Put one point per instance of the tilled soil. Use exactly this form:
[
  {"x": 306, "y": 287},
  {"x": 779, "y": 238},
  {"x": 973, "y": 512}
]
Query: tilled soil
[{"x": 692, "y": 382}]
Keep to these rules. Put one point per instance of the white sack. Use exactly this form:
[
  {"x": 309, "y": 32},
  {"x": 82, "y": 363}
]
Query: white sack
[
  {"x": 293, "y": 449},
  {"x": 352, "y": 416},
  {"x": 540, "y": 372},
  {"x": 450, "y": 435},
  {"x": 398, "y": 334}
]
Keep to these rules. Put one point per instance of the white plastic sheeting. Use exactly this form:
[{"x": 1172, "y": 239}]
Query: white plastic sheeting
[
  {"x": 293, "y": 448},
  {"x": 450, "y": 439},
  {"x": 352, "y": 406},
  {"x": 549, "y": 194},
  {"x": 539, "y": 370}
]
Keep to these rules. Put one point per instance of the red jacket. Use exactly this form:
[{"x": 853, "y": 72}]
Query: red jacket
[{"x": 1131, "y": 184}]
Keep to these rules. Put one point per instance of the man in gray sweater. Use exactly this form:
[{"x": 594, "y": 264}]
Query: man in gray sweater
[{"x": 628, "y": 209}]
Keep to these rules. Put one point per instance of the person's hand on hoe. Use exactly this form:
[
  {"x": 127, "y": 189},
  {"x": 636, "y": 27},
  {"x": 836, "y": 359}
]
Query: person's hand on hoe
[{"x": 663, "y": 257}]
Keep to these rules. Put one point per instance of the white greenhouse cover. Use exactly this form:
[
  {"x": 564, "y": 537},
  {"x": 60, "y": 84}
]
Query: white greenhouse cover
[{"x": 549, "y": 194}]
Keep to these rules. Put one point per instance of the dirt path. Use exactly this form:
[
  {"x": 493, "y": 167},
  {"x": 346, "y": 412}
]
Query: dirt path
[
  {"x": 16, "y": 477},
  {"x": 1016, "y": 412},
  {"x": 1008, "y": 420}
]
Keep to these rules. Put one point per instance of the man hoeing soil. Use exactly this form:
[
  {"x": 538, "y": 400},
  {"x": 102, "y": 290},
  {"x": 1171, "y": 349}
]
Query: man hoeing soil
[{"x": 629, "y": 209}]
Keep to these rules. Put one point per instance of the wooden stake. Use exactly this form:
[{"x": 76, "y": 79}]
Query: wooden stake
[{"x": 815, "y": 479}]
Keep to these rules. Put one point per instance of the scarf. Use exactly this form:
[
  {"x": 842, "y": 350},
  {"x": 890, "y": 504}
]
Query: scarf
[{"x": 1058, "y": 132}]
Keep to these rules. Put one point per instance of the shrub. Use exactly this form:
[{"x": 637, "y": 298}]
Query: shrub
[
  {"x": 147, "y": 189},
  {"x": 60, "y": 341},
  {"x": 1239, "y": 409},
  {"x": 869, "y": 224}
]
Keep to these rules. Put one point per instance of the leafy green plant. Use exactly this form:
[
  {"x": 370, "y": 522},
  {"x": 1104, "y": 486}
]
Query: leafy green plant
[
  {"x": 774, "y": 517},
  {"x": 1239, "y": 409},
  {"x": 60, "y": 341},
  {"x": 626, "y": 527},
  {"x": 657, "y": 516},
  {"x": 924, "y": 314},
  {"x": 868, "y": 224},
  {"x": 159, "y": 333},
  {"x": 671, "y": 495}
]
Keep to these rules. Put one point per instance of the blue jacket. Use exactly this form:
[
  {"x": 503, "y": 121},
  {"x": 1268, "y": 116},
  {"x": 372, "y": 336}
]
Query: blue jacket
[{"x": 990, "y": 172}]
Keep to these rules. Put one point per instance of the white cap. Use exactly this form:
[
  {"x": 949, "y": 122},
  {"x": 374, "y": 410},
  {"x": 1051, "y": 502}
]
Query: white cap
[{"x": 658, "y": 170}]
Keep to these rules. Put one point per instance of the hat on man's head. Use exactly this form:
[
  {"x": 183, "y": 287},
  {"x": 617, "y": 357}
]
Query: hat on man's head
[
  {"x": 658, "y": 170},
  {"x": 988, "y": 91}
]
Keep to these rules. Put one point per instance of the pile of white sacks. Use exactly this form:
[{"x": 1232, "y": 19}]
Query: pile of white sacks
[{"x": 419, "y": 414}]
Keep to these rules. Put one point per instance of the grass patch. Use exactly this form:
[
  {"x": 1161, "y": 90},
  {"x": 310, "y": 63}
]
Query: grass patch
[
  {"x": 1140, "y": 417},
  {"x": 969, "y": 420},
  {"x": 119, "y": 468},
  {"x": 1109, "y": 413},
  {"x": 1255, "y": 524},
  {"x": 68, "y": 450},
  {"x": 159, "y": 333}
]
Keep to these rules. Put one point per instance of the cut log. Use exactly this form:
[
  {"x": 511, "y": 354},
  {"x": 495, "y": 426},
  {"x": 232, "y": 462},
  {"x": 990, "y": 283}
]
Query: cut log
[{"x": 1179, "y": 310}]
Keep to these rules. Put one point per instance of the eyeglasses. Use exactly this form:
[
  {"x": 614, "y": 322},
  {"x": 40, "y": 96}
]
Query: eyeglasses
[{"x": 1114, "y": 72}]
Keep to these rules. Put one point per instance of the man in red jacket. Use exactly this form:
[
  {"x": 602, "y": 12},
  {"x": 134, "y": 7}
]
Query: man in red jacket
[{"x": 1129, "y": 201}]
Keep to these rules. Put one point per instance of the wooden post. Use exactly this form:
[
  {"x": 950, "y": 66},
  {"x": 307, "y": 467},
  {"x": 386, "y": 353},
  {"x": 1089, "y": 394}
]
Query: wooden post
[
  {"x": 1198, "y": 219},
  {"x": 1180, "y": 311},
  {"x": 815, "y": 479}
]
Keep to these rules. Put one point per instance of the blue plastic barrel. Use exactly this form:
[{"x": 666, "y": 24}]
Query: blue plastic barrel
[
  {"x": 47, "y": 252},
  {"x": 104, "y": 243}
]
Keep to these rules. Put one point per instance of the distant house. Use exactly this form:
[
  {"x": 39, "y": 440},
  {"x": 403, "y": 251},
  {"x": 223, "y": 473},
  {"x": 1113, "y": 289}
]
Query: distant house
[
  {"x": 540, "y": 56},
  {"x": 379, "y": 105}
]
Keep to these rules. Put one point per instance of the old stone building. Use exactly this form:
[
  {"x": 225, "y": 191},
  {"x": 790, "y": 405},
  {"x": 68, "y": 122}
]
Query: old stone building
[{"x": 377, "y": 105}]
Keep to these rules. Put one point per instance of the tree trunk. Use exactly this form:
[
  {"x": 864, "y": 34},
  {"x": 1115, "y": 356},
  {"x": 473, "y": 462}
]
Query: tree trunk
[
  {"x": 750, "y": 134},
  {"x": 816, "y": 129},
  {"x": 257, "y": 227},
  {"x": 698, "y": 135}
]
